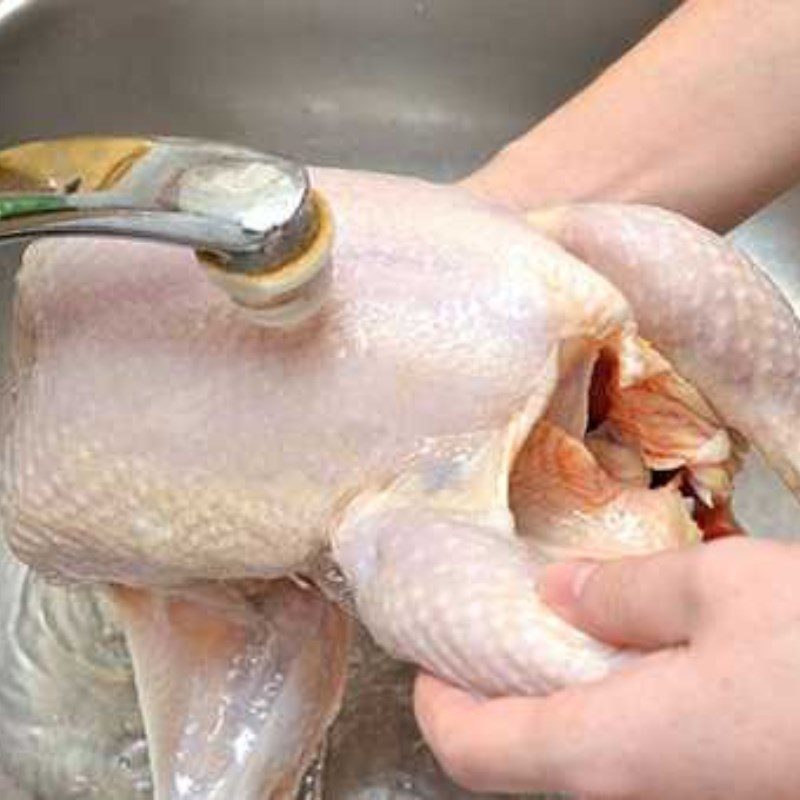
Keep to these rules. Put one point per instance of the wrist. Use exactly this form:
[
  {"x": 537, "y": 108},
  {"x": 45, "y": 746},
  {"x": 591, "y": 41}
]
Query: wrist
[{"x": 502, "y": 180}]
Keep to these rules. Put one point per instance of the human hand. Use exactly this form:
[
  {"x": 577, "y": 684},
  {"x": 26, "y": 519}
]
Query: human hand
[{"x": 712, "y": 710}]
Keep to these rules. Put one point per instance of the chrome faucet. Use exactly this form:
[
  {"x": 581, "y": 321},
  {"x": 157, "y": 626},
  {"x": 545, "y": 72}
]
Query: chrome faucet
[{"x": 253, "y": 220}]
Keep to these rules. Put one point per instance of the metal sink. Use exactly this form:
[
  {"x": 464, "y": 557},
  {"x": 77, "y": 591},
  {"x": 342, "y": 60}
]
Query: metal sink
[
  {"x": 429, "y": 87},
  {"x": 424, "y": 86}
]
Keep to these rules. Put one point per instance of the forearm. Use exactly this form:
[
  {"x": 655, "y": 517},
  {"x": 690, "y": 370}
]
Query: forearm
[{"x": 702, "y": 117}]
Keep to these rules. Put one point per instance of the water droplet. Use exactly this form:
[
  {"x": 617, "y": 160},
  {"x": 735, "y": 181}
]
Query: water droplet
[
  {"x": 310, "y": 785},
  {"x": 405, "y": 783}
]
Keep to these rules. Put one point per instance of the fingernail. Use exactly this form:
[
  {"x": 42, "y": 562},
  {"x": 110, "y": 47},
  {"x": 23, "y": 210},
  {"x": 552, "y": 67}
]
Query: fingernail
[{"x": 562, "y": 584}]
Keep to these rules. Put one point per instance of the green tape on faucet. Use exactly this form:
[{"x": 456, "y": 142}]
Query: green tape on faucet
[{"x": 24, "y": 205}]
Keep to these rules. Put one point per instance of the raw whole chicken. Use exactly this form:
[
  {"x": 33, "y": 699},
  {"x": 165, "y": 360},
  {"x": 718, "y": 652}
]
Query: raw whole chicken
[{"x": 473, "y": 401}]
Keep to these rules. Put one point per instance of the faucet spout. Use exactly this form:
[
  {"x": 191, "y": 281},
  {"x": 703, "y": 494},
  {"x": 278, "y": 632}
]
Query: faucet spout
[{"x": 252, "y": 218}]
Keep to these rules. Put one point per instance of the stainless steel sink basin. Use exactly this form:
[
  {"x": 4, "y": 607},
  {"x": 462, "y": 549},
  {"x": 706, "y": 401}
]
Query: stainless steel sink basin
[
  {"x": 429, "y": 87},
  {"x": 425, "y": 86}
]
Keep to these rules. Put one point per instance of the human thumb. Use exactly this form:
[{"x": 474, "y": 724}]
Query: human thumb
[{"x": 644, "y": 602}]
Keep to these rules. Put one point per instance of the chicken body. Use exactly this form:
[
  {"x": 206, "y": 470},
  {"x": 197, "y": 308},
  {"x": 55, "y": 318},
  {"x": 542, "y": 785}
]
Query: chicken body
[
  {"x": 423, "y": 442},
  {"x": 160, "y": 438}
]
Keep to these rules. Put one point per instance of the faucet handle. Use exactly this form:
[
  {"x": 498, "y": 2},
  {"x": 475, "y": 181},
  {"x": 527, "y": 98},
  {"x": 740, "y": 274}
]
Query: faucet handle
[{"x": 247, "y": 214}]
